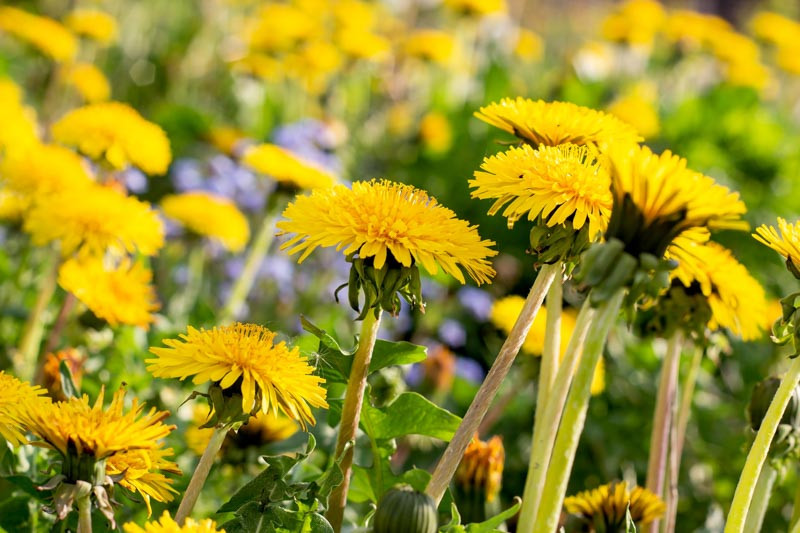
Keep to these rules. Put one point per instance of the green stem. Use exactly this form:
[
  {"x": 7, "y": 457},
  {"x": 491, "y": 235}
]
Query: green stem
[
  {"x": 761, "y": 496},
  {"x": 255, "y": 256},
  {"x": 28, "y": 350},
  {"x": 759, "y": 450},
  {"x": 794, "y": 523},
  {"x": 84, "y": 504},
  {"x": 552, "y": 344},
  {"x": 351, "y": 412},
  {"x": 483, "y": 398},
  {"x": 201, "y": 474},
  {"x": 546, "y": 428},
  {"x": 662, "y": 420},
  {"x": 181, "y": 307},
  {"x": 574, "y": 416},
  {"x": 671, "y": 484}
]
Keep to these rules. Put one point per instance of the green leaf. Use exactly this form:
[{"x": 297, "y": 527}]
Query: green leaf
[
  {"x": 388, "y": 353},
  {"x": 67, "y": 383},
  {"x": 630, "y": 527},
  {"x": 409, "y": 414},
  {"x": 492, "y": 525}
]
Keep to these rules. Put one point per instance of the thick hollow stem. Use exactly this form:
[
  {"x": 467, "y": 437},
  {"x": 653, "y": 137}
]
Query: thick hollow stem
[
  {"x": 758, "y": 451},
  {"x": 546, "y": 426},
  {"x": 483, "y": 398},
  {"x": 662, "y": 420},
  {"x": 552, "y": 344},
  {"x": 761, "y": 496},
  {"x": 84, "y": 504},
  {"x": 200, "y": 474},
  {"x": 351, "y": 411},
  {"x": 255, "y": 256},
  {"x": 671, "y": 485},
  {"x": 28, "y": 349},
  {"x": 571, "y": 427}
]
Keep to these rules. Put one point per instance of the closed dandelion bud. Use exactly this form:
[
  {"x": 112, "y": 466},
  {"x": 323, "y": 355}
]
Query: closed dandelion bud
[
  {"x": 478, "y": 479},
  {"x": 405, "y": 510}
]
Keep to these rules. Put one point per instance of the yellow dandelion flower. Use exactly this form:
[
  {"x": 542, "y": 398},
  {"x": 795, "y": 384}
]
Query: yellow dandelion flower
[
  {"x": 19, "y": 130},
  {"x": 209, "y": 215},
  {"x": 271, "y": 377},
  {"x": 362, "y": 44},
  {"x": 94, "y": 220},
  {"x": 635, "y": 22},
  {"x": 529, "y": 45},
  {"x": 45, "y": 34},
  {"x": 775, "y": 28},
  {"x": 89, "y": 81},
  {"x": 608, "y": 504},
  {"x": 94, "y": 24},
  {"x": 737, "y": 301},
  {"x": 226, "y": 138},
  {"x": 553, "y": 123},
  {"x": 787, "y": 243},
  {"x": 260, "y": 429},
  {"x": 657, "y": 198},
  {"x": 637, "y": 111},
  {"x": 285, "y": 167},
  {"x": 788, "y": 58},
  {"x": 435, "y": 132},
  {"x": 117, "y": 132},
  {"x": 280, "y": 26},
  {"x": 504, "y": 314},
  {"x": 378, "y": 218},
  {"x": 481, "y": 468},
  {"x": 51, "y": 371},
  {"x": 432, "y": 45},
  {"x": 477, "y": 7},
  {"x": 16, "y": 398},
  {"x": 558, "y": 183},
  {"x": 119, "y": 295},
  {"x": 12, "y": 205},
  {"x": 143, "y": 471},
  {"x": 167, "y": 525},
  {"x": 76, "y": 427}
]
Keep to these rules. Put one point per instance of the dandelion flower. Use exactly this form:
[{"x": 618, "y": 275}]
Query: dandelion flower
[
  {"x": 78, "y": 428},
  {"x": 16, "y": 398},
  {"x": 481, "y": 468},
  {"x": 89, "y": 81},
  {"x": 285, "y": 167},
  {"x": 787, "y": 243},
  {"x": 378, "y": 218},
  {"x": 260, "y": 429},
  {"x": 209, "y": 215},
  {"x": 118, "y": 295},
  {"x": 167, "y": 525},
  {"x": 529, "y": 45},
  {"x": 271, "y": 377},
  {"x": 432, "y": 45},
  {"x": 555, "y": 182},
  {"x": 737, "y": 301},
  {"x": 639, "y": 112},
  {"x": 117, "y": 132},
  {"x": 19, "y": 129},
  {"x": 477, "y": 7},
  {"x": 143, "y": 471},
  {"x": 95, "y": 219},
  {"x": 636, "y": 22},
  {"x": 45, "y": 34},
  {"x": 95, "y": 24},
  {"x": 435, "y": 132},
  {"x": 609, "y": 503},
  {"x": 554, "y": 123}
]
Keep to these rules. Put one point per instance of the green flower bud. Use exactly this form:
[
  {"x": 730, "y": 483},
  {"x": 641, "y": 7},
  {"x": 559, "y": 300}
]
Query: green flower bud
[{"x": 405, "y": 510}]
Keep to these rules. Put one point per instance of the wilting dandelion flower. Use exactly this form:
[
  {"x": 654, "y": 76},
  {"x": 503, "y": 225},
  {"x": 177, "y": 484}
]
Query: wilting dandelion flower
[
  {"x": 167, "y": 525},
  {"x": 51, "y": 371},
  {"x": 556, "y": 183},
  {"x": 142, "y": 471},
  {"x": 122, "y": 294},
  {"x": 286, "y": 168},
  {"x": 118, "y": 133},
  {"x": 95, "y": 219},
  {"x": 45, "y": 34},
  {"x": 271, "y": 377},
  {"x": 16, "y": 398},
  {"x": 554, "y": 123},
  {"x": 481, "y": 468},
  {"x": 93, "y": 23},
  {"x": 379, "y": 218},
  {"x": 89, "y": 81},
  {"x": 608, "y": 505},
  {"x": 787, "y": 243},
  {"x": 209, "y": 215}
]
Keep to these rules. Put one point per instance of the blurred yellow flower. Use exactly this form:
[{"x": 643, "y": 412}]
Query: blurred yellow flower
[
  {"x": 226, "y": 139},
  {"x": 553, "y": 123},
  {"x": 270, "y": 377},
  {"x": 557, "y": 183},
  {"x": 94, "y": 220},
  {"x": 143, "y": 471},
  {"x": 51, "y": 371},
  {"x": 121, "y": 294},
  {"x": 285, "y": 167},
  {"x": 45, "y": 34},
  {"x": 117, "y": 132},
  {"x": 609, "y": 503},
  {"x": 634, "y": 22},
  {"x": 788, "y": 58},
  {"x": 775, "y": 28},
  {"x": 477, "y": 7},
  {"x": 529, "y": 45},
  {"x": 94, "y": 24},
  {"x": 210, "y": 216},
  {"x": 16, "y": 398},
  {"x": 260, "y": 429},
  {"x": 435, "y": 132},
  {"x": 362, "y": 44},
  {"x": 280, "y": 27},
  {"x": 787, "y": 243},
  {"x": 638, "y": 111},
  {"x": 380, "y": 219},
  {"x": 89, "y": 81},
  {"x": 313, "y": 64},
  {"x": 19, "y": 122},
  {"x": 167, "y": 525},
  {"x": 481, "y": 468},
  {"x": 431, "y": 45}
]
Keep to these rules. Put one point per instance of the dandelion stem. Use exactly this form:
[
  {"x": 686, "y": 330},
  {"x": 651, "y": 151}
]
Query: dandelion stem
[
  {"x": 552, "y": 344},
  {"x": 574, "y": 416},
  {"x": 546, "y": 426},
  {"x": 480, "y": 404},
  {"x": 255, "y": 256},
  {"x": 200, "y": 474},
  {"x": 351, "y": 411},
  {"x": 662, "y": 420},
  {"x": 794, "y": 523},
  {"x": 84, "y": 504},
  {"x": 758, "y": 451},
  {"x": 761, "y": 496},
  {"x": 181, "y": 308},
  {"x": 28, "y": 350}
]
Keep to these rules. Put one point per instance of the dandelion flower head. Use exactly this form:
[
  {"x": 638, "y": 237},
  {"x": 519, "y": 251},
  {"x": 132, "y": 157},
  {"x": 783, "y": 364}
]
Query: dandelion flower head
[
  {"x": 43, "y": 33},
  {"x": 432, "y": 45},
  {"x": 143, "y": 472},
  {"x": 167, "y": 525},
  {"x": 786, "y": 243},
  {"x": 94, "y": 24},
  {"x": 209, "y": 215},
  {"x": 89, "y": 81},
  {"x": 285, "y": 167},
  {"x": 609, "y": 503},
  {"x": 16, "y": 397},
  {"x": 482, "y": 467}
]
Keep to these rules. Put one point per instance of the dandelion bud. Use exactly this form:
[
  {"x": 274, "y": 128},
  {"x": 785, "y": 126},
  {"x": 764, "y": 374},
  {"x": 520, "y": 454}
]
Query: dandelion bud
[
  {"x": 404, "y": 510},
  {"x": 478, "y": 479}
]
